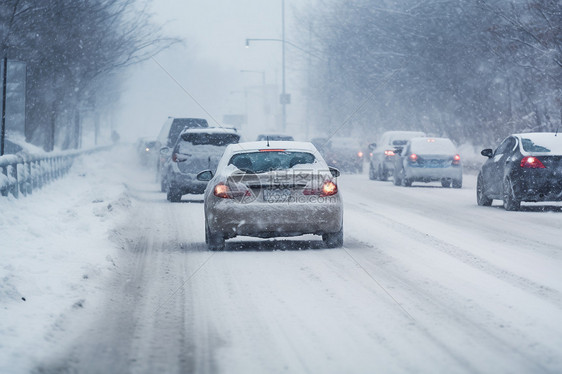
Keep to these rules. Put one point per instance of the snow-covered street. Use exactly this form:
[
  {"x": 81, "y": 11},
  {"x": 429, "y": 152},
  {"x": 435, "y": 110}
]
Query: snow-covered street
[{"x": 117, "y": 279}]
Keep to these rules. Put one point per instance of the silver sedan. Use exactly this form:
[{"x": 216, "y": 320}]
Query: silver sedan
[{"x": 272, "y": 189}]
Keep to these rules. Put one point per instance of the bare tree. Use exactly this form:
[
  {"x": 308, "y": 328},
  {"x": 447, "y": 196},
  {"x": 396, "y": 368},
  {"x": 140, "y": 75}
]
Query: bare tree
[{"x": 72, "y": 48}]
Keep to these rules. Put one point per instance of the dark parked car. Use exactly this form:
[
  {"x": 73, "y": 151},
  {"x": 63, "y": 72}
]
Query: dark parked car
[
  {"x": 428, "y": 160},
  {"x": 194, "y": 151},
  {"x": 168, "y": 136},
  {"x": 525, "y": 167},
  {"x": 381, "y": 164}
]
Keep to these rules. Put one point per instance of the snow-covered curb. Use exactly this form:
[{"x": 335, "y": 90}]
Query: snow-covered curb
[{"x": 56, "y": 254}]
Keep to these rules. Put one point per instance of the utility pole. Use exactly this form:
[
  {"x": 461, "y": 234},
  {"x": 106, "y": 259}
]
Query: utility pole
[
  {"x": 283, "y": 93},
  {"x": 4, "y": 83}
]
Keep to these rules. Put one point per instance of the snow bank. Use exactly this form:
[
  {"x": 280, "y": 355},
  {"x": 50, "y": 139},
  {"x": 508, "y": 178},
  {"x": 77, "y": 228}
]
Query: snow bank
[{"x": 56, "y": 253}]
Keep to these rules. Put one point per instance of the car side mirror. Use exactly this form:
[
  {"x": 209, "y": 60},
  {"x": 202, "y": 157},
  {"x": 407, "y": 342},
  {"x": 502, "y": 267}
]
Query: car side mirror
[
  {"x": 335, "y": 172},
  {"x": 487, "y": 152},
  {"x": 205, "y": 176},
  {"x": 372, "y": 146},
  {"x": 179, "y": 157},
  {"x": 165, "y": 151}
]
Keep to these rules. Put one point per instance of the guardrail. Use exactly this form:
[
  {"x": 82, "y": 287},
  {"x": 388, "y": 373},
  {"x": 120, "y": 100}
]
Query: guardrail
[{"x": 22, "y": 174}]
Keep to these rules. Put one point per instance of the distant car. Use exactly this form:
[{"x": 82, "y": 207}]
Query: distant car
[
  {"x": 274, "y": 137},
  {"x": 524, "y": 167},
  {"x": 428, "y": 160},
  {"x": 195, "y": 150},
  {"x": 346, "y": 154},
  {"x": 272, "y": 189},
  {"x": 148, "y": 151},
  {"x": 381, "y": 163},
  {"x": 168, "y": 136}
]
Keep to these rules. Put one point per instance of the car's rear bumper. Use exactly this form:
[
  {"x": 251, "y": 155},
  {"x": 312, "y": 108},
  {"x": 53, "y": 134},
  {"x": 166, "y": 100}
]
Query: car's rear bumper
[
  {"x": 428, "y": 174},
  {"x": 537, "y": 185},
  {"x": 186, "y": 183},
  {"x": 263, "y": 219}
]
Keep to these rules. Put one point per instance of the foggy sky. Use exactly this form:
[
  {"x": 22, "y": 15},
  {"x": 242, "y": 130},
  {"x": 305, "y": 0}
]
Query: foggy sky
[{"x": 207, "y": 64}]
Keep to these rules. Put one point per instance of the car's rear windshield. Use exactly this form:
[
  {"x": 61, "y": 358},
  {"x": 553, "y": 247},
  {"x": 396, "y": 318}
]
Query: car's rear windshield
[
  {"x": 210, "y": 139},
  {"x": 543, "y": 144},
  {"x": 261, "y": 162},
  {"x": 430, "y": 146},
  {"x": 180, "y": 124}
]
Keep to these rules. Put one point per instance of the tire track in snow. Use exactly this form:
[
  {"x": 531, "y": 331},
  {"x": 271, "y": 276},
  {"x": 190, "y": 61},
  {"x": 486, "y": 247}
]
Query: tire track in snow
[{"x": 548, "y": 294}]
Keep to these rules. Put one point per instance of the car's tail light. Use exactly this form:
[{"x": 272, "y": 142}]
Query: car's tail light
[
  {"x": 222, "y": 191},
  {"x": 328, "y": 188},
  {"x": 456, "y": 160},
  {"x": 413, "y": 157},
  {"x": 175, "y": 157},
  {"x": 530, "y": 162},
  {"x": 360, "y": 154},
  {"x": 389, "y": 152}
]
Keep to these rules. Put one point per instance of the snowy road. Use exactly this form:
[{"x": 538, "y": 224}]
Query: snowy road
[{"x": 427, "y": 282}]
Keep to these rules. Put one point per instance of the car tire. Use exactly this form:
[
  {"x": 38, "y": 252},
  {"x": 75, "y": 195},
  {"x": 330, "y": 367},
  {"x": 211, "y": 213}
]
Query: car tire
[
  {"x": 481, "y": 197},
  {"x": 215, "y": 241},
  {"x": 406, "y": 182},
  {"x": 382, "y": 174},
  {"x": 445, "y": 183},
  {"x": 510, "y": 203},
  {"x": 457, "y": 183},
  {"x": 333, "y": 239},
  {"x": 173, "y": 195},
  {"x": 396, "y": 178},
  {"x": 372, "y": 173}
]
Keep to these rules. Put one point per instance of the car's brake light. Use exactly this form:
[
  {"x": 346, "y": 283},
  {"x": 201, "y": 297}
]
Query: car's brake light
[
  {"x": 389, "y": 152},
  {"x": 456, "y": 160},
  {"x": 329, "y": 188},
  {"x": 413, "y": 157},
  {"x": 222, "y": 191},
  {"x": 175, "y": 157},
  {"x": 272, "y": 150},
  {"x": 530, "y": 162},
  {"x": 360, "y": 154}
]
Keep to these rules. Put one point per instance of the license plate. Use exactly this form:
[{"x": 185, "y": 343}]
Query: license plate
[{"x": 276, "y": 195}]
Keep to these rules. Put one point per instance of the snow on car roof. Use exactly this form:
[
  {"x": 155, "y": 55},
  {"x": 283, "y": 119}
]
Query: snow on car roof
[
  {"x": 541, "y": 142},
  {"x": 434, "y": 146},
  {"x": 273, "y": 144},
  {"x": 210, "y": 130}
]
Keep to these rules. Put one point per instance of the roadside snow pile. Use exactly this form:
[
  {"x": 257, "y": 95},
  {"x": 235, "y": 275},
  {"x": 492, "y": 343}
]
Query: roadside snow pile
[{"x": 56, "y": 255}]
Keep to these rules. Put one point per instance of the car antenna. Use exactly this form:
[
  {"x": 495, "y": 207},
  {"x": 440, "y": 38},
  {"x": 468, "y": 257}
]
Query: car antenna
[
  {"x": 267, "y": 137},
  {"x": 556, "y": 133}
]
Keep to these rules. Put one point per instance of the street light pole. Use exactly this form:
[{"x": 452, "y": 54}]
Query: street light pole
[
  {"x": 284, "y": 99},
  {"x": 283, "y": 93},
  {"x": 4, "y": 84}
]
